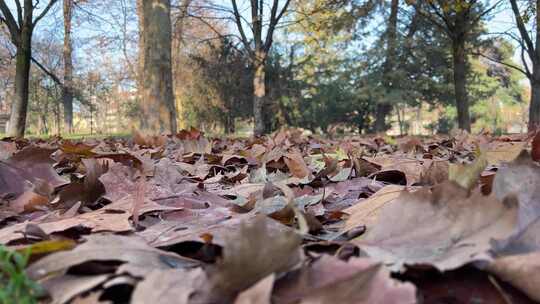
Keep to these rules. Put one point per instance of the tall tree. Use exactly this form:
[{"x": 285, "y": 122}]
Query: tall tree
[
  {"x": 20, "y": 31},
  {"x": 531, "y": 46},
  {"x": 67, "y": 90},
  {"x": 259, "y": 49},
  {"x": 384, "y": 107},
  {"x": 458, "y": 19},
  {"x": 157, "y": 99}
]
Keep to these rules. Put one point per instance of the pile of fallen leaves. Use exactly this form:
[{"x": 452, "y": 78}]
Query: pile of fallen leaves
[{"x": 287, "y": 218}]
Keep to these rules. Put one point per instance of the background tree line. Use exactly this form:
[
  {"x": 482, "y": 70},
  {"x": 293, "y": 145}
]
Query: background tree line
[{"x": 403, "y": 66}]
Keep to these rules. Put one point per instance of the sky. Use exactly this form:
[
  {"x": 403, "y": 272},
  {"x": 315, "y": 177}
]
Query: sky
[{"x": 502, "y": 21}]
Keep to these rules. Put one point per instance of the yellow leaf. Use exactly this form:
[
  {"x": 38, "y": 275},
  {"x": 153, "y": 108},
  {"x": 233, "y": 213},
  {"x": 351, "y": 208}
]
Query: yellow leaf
[
  {"x": 50, "y": 246},
  {"x": 467, "y": 175}
]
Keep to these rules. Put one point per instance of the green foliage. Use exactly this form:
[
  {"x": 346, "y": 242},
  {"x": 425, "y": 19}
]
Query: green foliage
[
  {"x": 216, "y": 86},
  {"x": 15, "y": 285}
]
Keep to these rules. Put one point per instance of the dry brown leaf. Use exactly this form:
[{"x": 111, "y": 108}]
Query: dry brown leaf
[
  {"x": 28, "y": 201},
  {"x": 132, "y": 250},
  {"x": 501, "y": 152},
  {"x": 148, "y": 140},
  {"x": 170, "y": 286},
  {"x": 445, "y": 227},
  {"x": 365, "y": 212},
  {"x": 251, "y": 254},
  {"x": 411, "y": 168},
  {"x": 517, "y": 259},
  {"x": 435, "y": 172},
  {"x": 29, "y": 168},
  {"x": 296, "y": 164},
  {"x": 112, "y": 218},
  {"x": 520, "y": 181},
  {"x": 521, "y": 270},
  {"x": 259, "y": 293},
  {"x": 329, "y": 280},
  {"x": 64, "y": 288}
]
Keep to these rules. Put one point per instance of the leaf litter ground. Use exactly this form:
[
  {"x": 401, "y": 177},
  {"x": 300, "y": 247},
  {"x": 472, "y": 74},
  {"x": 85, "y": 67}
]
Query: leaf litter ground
[{"x": 286, "y": 218}]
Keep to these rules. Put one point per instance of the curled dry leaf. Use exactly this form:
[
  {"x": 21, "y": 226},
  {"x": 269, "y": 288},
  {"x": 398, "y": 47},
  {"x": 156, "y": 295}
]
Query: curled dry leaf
[
  {"x": 64, "y": 288},
  {"x": 111, "y": 218},
  {"x": 251, "y": 252},
  {"x": 29, "y": 168},
  {"x": 132, "y": 250}
]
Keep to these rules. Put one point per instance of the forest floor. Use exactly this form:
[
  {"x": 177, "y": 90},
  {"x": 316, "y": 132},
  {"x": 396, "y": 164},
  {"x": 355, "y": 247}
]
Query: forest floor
[{"x": 285, "y": 218}]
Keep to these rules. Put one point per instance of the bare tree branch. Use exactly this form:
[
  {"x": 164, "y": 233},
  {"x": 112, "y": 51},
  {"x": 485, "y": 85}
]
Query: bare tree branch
[
  {"x": 274, "y": 20},
  {"x": 19, "y": 12},
  {"x": 8, "y": 19},
  {"x": 486, "y": 12},
  {"x": 523, "y": 30},
  {"x": 515, "y": 67},
  {"x": 529, "y": 74},
  {"x": 240, "y": 28},
  {"x": 44, "y": 12},
  {"x": 46, "y": 71}
]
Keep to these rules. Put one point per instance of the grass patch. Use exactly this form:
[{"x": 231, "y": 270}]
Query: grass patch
[{"x": 15, "y": 285}]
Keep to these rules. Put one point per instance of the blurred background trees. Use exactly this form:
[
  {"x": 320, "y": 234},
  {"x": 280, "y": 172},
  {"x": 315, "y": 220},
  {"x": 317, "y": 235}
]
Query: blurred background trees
[{"x": 363, "y": 66}]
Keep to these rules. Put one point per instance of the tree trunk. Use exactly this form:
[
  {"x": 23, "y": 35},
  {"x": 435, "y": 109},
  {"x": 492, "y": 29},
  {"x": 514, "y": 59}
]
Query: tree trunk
[
  {"x": 460, "y": 84},
  {"x": 534, "y": 105},
  {"x": 229, "y": 122},
  {"x": 384, "y": 107},
  {"x": 157, "y": 104},
  {"x": 259, "y": 92},
  {"x": 19, "y": 107},
  {"x": 67, "y": 90}
]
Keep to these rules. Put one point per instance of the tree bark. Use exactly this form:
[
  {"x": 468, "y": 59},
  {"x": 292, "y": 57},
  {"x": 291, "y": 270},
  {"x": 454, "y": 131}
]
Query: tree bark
[
  {"x": 259, "y": 93},
  {"x": 157, "y": 103},
  {"x": 67, "y": 90},
  {"x": 534, "y": 78},
  {"x": 385, "y": 107},
  {"x": 19, "y": 107},
  {"x": 460, "y": 84},
  {"x": 534, "y": 105}
]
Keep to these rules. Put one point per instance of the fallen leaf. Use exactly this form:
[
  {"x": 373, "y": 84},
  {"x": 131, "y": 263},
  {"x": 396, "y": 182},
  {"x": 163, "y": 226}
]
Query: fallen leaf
[
  {"x": 259, "y": 293},
  {"x": 467, "y": 175},
  {"x": 250, "y": 255},
  {"x": 519, "y": 181},
  {"x": 365, "y": 212},
  {"x": 296, "y": 164},
  {"x": 499, "y": 152},
  {"x": 131, "y": 250},
  {"x": 444, "y": 227},
  {"x": 170, "y": 286},
  {"x": 329, "y": 280},
  {"x": 64, "y": 288}
]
